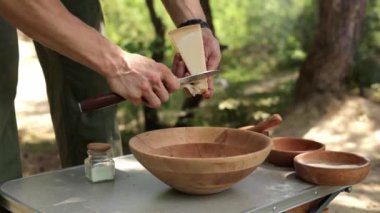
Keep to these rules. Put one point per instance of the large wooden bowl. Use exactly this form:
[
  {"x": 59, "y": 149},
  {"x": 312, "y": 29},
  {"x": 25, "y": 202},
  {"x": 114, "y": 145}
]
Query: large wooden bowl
[
  {"x": 331, "y": 168},
  {"x": 200, "y": 160},
  {"x": 284, "y": 149}
]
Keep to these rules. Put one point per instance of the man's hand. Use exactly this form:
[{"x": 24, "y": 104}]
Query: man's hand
[
  {"x": 212, "y": 55},
  {"x": 142, "y": 79}
]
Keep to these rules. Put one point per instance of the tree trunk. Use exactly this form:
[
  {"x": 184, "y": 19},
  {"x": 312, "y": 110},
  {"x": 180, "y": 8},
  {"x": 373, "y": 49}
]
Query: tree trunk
[
  {"x": 158, "y": 53},
  {"x": 332, "y": 51},
  {"x": 208, "y": 13},
  {"x": 188, "y": 105}
]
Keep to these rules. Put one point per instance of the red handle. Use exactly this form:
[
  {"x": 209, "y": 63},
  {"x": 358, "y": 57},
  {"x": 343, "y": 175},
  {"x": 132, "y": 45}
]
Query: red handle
[{"x": 100, "y": 101}]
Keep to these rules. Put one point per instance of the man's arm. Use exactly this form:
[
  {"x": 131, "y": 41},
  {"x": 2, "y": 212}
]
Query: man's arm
[
  {"x": 132, "y": 76},
  {"x": 50, "y": 23},
  {"x": 183, "y": 10}
]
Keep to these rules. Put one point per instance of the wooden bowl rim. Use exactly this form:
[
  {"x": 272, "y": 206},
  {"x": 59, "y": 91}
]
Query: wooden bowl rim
[
  {"x": 321, "y": 148},
  {"x": 366, "y": 163},
  {"x": 268, "y": 145}
]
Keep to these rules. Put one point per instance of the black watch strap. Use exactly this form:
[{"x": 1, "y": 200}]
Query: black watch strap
[{"x": 194, "y": 21}]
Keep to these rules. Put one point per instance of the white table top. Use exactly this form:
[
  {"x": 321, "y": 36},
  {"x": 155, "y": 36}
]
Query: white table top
[{"x": 267, "y": 189}]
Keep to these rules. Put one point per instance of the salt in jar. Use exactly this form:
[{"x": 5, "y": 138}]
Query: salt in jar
[{"x": 99, "y": 165}]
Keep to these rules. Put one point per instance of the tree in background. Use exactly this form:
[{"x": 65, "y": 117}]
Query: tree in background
[
  {"x": 332, "y": 52},
  {"x": 158, "y": 54},
  {"x": 268, "y": 42},
  {"x": 366, "y": 75}
]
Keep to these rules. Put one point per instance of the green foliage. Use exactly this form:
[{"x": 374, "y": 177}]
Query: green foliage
[
  {"x": 128, "y": 25},
  {"x": 263, "y": 38},
  {"x": 274, "y": 33},
  {"x": 266, "y": 40},
  {"x": 236, "y": 106},
  {"x": 367, "y": 65},
  {"x": 127, "y": 21}
]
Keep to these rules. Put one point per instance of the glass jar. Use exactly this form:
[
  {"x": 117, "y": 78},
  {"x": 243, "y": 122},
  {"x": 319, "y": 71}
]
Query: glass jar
[
  {"x": 114, "y": 138},
  {"x": 99, "y": 165}
]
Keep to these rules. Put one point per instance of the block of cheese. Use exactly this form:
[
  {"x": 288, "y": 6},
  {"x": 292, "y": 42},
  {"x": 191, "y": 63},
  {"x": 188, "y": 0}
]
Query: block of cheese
[{"x": 189, "y": 43}]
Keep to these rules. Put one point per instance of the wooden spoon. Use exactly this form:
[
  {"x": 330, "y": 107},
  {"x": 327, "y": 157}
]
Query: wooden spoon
[{"x": 264, "y": 125}]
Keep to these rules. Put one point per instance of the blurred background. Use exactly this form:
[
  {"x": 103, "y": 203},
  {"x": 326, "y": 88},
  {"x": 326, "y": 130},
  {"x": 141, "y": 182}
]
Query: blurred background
[{"x": 314, "y": 62}]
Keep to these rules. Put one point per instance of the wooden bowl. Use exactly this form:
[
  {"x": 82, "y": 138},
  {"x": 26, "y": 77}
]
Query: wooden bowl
[
  {"x": 284, "y": 149},
  {"x": 331, "y": 168},
  {"x": 200, "y": 160}
]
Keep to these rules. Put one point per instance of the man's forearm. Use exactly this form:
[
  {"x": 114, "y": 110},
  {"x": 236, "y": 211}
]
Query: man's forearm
[
  {"x": 183, "y": 10},
  {"x": 50, "y": 23}
]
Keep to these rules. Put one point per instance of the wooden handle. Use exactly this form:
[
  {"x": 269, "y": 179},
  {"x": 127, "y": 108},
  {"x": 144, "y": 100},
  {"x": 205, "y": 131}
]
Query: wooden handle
[
  {"x": 100, "y": 101},
  {"x": 270, "y": 122},
  {"x": 98, "y": 147},
  {"x": 263, "y": 126}
]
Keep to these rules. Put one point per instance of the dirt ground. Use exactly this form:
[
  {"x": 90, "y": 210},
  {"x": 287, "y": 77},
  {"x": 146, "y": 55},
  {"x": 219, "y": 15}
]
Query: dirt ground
[{"x": 350, "y": 125}]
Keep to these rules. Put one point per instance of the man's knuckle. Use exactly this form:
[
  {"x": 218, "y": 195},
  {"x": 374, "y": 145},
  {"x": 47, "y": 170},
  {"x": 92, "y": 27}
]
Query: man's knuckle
[
  {"x": 145, "y": 87},
  {"x": 155, "y": 79},
  {"x": 155, "y": 104}
]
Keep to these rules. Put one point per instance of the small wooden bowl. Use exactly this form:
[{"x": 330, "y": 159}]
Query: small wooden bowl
[
  {"x": 331, "y": 168},
  {"x": 284, "y": 149},
  {"x": 200, "y": 160}
]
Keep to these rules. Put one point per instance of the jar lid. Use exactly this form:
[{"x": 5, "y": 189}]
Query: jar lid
[{"x": 98, "y": 147}]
